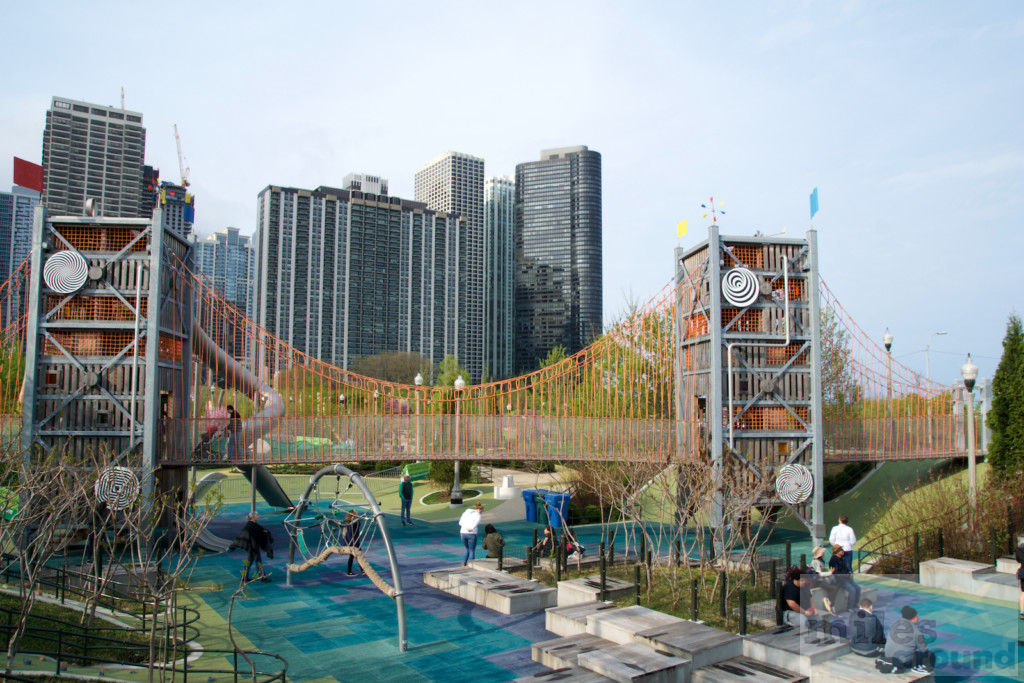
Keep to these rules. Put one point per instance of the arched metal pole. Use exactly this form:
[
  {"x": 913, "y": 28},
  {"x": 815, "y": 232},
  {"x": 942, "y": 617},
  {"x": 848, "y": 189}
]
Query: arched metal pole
[{"x": 378, "y": 517}]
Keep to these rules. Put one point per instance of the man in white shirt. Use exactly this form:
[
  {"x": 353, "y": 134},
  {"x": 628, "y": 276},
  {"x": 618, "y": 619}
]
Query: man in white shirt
[
  {"x": 468, "y": 524},
  {"x": 842, "y": 534}
]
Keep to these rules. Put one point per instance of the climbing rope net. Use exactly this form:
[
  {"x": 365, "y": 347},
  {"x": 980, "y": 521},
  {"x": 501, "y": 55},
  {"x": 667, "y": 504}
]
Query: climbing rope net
[{"x": 344, "y": 523}]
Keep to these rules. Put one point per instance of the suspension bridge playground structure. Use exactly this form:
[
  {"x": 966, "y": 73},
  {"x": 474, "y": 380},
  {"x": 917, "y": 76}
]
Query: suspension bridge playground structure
[{"x": 745, "y": 361}]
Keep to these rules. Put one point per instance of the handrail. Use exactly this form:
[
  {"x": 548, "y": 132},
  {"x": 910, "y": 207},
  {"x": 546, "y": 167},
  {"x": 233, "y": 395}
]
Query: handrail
[{"x": 880, "y": 545}]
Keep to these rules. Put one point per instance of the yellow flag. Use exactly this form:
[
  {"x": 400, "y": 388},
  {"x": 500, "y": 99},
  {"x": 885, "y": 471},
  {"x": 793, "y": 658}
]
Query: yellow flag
[{"x": 681, "y": 228}]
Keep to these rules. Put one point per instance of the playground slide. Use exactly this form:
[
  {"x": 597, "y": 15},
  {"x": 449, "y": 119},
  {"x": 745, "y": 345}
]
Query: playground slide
[
  {"x": 253, "y": 427},
  {"x": 267, "y": 486}
]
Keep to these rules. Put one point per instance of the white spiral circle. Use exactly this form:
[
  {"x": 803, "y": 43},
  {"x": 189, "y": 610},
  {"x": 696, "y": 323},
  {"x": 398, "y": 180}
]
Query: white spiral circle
[
  {"x": 794, "y": 484},
  {"x": 740, "y": 287},
  {"x": 65, "y": 272},
  {"x": 118, "y": 487}
]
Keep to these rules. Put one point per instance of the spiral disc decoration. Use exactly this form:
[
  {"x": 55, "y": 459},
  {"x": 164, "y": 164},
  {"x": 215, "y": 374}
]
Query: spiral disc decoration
[
  {"x": 118, "y": 487},
  {"x": 65, "y": 272},
  {"x": 740, "y": 287},
  {"x": 794, "y": 484}
]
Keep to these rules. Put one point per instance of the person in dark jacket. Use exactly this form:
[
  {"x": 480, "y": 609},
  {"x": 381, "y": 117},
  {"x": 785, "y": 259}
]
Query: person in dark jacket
[
  {"x": 798, "y": 609},
  {"x": 867, "y": 638},
  {"x": 405, "y": 493},
  {"x": 844, "y": 579},
  {"x": 1019, "y": 555},
  {"x": 351, "y": 535},
  {"x": 493, "y": 541},
  {"x": 252, "y": 539}
]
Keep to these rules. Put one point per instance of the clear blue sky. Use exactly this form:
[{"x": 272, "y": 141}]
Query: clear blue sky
[{"x": 907, "y": 116}]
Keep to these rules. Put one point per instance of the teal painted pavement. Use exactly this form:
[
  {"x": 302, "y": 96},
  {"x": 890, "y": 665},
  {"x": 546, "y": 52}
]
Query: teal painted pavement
[{"x": 331, "y": 627}]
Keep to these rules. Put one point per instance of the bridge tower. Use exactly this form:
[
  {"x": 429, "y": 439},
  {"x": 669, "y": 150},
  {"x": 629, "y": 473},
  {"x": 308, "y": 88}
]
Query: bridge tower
[
  {"x": 107, "y": 344},
  {"x": 749, "y": 370}
]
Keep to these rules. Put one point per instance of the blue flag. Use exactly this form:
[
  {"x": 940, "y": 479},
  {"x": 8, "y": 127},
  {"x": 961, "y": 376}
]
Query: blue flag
[{"x": 814, "y": 202}]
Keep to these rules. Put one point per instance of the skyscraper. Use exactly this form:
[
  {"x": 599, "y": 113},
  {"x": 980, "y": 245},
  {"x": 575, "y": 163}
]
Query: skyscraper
[
  {"x": 228, "y": 260},
  {"x": 343, "y": 273},
  {"x": 558, "y": 250},
  {"x": 499, "y": 265},
  {"x": 16, "y": 210},
  {"x": 453, "y": 184},
  {"x": 93, "y": 152}
]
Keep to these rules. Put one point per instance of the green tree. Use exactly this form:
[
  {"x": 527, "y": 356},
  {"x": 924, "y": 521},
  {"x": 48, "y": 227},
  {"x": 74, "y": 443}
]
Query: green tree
[
  {"x": 1006, "y": 418},
  {"x": 393, "y": 366},
  {"x": 839, "y": 390},
  {"x": 449, "y": 370},
  {"x": 555, "y": 355}
]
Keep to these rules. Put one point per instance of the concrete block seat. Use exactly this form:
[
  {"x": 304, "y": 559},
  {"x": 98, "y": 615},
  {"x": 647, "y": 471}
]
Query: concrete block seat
[
  {"x": 570, "y": 620},
  {"x": 635, "y": 663},
  {"x": 564, "y": 652},
  {"x": 621, "y": 625},
  {"x": 998, "y": 586},
  {"x": 700, "y": 643},
  {"x": 494, "y": 590},
  {"x": 571, "y": 674},
  {"x": 1007, "y": 565},
  {"x": 853, "y": 668},
  {"x": 588, "y": 589},
  {"x": 973, "y": 578},
  {"x": 790, "y": 648},
  {"x": 744, "y": 670},
  {"x": 866, "y": 591}
]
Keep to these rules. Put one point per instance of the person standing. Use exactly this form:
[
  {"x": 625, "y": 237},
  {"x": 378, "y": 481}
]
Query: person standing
[
  {"x": 842, "y": 534},
  {"x": 843, "y": 577},
  {"x": 233, "y": 428},
  {"x": 906, "y": 647},
  {"x": 468, "y": 524},
  {"x": 252, "y": 539},
  {"x": 405, "y": 493},
  {"x": 351, "y": 536}
]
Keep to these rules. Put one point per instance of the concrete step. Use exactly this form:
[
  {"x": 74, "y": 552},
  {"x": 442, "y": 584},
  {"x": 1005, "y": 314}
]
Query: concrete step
[
  {"x": 495, "y": 590},
  {"x": 853, "y": 668},
  {"x": 1007, "y": 565},
  {"x": 588, "y": 589},
  {"x": 701, "y": 644},
  {"x": 866, "y": 591},
  {"x": 572, "y": 674},
  {"x": 619, "y": 626},
  {"x": 563, "y": 652},
  {"x": 745, "y": 670},
  {"x": 634, "y": 662},
  {"x": 790, "y": 648},
  {"x": 998, "y": 586},
  {"x": 571, "y": 620},
  {"x": 952, "y": 574}
]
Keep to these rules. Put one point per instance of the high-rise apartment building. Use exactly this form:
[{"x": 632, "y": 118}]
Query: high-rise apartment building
[
  {"x": 228, "y": 260},
  {"x": 93, "y": 152},
  {"x": 558, "y": 250},
  {"x": 499, "y": 266},
  {"x": 16, "y": 210},
  {"x": 453, "y": 184},
  {"x": 343, "y": 273},
  {"x": 179, "y": 208}
]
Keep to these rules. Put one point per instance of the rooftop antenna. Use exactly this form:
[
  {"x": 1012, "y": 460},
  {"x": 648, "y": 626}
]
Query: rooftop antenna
[
  {"x": 181, "y": 160},
  {"x": 122, "y": 98}
]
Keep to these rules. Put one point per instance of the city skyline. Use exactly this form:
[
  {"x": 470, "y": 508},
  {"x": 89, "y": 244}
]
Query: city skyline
[{"x": 905, "y": 117}]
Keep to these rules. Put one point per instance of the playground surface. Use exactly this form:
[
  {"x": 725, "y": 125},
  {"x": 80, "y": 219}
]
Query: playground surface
[{"x": 332, "y": 627}]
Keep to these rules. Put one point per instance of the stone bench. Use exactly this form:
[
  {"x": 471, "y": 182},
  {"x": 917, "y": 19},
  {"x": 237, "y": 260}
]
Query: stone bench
[
  {"x": 700, "y": 643},
  {"x": 588, "y": 589},
  {"x": 564, "y": 652},
  {"x": 818, "y": 595},
  {"x": 793, "y": 649},
  {"x": 619, "y": 626},
  {"x": 494, "y": 590},
  {"x": 633, "y": 662},
  {"x": 973, "y": 578},
  {"x": 570, "y": 674},
  {"x": 570, "y": 620},
  {"x": 744, "y": 670}
]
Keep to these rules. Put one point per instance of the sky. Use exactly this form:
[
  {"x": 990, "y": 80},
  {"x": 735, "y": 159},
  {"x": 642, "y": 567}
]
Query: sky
[{"x": 908, "y": 117}]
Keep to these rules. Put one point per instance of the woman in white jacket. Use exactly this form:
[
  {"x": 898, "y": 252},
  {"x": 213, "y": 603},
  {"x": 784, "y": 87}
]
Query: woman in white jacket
[{"x": 468, "y": 524}]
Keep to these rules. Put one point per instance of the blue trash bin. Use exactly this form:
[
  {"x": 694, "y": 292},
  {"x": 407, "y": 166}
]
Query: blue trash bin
[
  {"x": 531, "y": 506},
  {"x": 557, "y": 505}
]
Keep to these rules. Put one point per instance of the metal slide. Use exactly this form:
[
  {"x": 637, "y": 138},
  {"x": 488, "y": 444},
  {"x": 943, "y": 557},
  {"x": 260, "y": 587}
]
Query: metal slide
[{"x": 253, "y": 427}]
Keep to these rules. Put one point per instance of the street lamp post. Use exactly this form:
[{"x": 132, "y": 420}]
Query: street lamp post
[
  {"x": 418, "y": 381},
  {"x": 969, "y": 371},
  {"x": 927, "y": 364},
  {"x": 456, "y": 497},
  {"x": 887, "y": 340}
]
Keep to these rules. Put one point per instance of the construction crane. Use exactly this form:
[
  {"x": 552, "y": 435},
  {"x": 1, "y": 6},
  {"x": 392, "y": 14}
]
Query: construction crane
[{"x": 181, "y": 160}]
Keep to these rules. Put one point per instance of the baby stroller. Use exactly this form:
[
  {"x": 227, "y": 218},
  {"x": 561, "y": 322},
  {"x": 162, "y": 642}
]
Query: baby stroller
[{"x": 203, "y": 450}]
